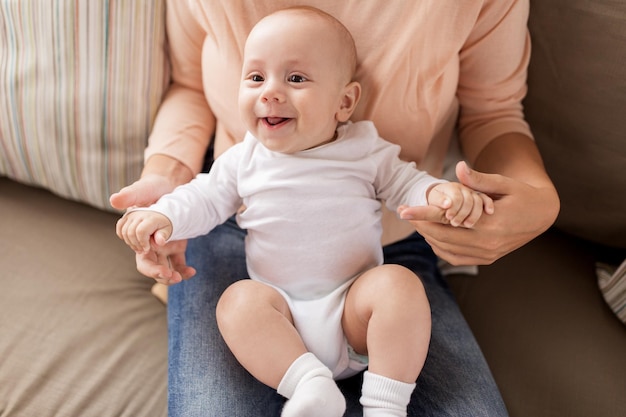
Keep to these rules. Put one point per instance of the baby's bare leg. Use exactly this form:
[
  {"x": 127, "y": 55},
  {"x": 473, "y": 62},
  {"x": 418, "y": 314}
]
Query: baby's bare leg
[
  {"x": 387, "y": 317},
  {"x": 257, "y": 325},
  {"x": 255, "y": 321}
]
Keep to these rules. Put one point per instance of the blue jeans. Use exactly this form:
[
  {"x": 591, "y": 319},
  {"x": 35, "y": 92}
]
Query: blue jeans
[{"x": 206, "y": 380}]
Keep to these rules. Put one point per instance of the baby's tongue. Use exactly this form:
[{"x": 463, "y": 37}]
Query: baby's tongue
[{"x": 275, "y": 120}]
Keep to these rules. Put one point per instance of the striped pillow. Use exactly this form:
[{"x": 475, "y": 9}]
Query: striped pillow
[
  {"x": 612, "y": 283},
  {"x": 80, "y": 83}
]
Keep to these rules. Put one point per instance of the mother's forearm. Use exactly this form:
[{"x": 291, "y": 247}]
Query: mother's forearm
[
  {"x": 166, "y": 166},
  {"x": 516, "y": 156}
]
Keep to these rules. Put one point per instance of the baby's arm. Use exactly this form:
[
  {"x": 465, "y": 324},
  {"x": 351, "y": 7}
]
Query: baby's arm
[
  {"x": 140, "y": 228},
  {"x": 462, "y": 206}
]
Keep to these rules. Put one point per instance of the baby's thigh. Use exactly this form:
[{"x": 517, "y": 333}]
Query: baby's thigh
[
  {"x": 391, "y": 291},
  {"x": 246, "y": 298}
]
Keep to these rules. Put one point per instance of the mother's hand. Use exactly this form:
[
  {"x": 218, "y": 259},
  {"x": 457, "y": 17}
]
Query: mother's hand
[
  {"x": 166, "y": 264},
  {"x": 160, "y": 176},
  {"x": 522, "y": 212},
  {"x": 143, "y": 192}
]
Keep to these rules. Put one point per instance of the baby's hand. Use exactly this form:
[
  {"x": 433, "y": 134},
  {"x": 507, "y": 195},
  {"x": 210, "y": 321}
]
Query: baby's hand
[
  {"x": 462, "y": 205},
  {"x": 140, "y": 229}
]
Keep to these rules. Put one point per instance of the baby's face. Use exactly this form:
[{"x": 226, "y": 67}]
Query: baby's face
[{"x": 292, "y": 83}]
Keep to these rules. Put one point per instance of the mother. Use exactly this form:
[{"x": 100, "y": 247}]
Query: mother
[{"x": 433, "y": 71}]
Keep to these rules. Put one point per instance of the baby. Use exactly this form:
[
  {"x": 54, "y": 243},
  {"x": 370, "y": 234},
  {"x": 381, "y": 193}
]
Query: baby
[{"x": 308, "y": 186}]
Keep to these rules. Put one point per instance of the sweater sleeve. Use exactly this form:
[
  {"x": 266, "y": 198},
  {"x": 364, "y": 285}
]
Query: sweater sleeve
[
  {"x": 492, "y": 78},
  {"x": 184, "y": 123}
]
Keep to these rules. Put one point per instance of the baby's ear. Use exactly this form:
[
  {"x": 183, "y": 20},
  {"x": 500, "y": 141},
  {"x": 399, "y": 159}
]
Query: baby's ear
[{"x": 349, "y": 100}]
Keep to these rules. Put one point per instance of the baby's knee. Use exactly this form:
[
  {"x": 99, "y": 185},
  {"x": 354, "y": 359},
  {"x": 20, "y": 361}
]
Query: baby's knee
[
  {"x": 235, "y": 296},
  {"x": 243, "y": 298},
  {"x": 402, "y": 291},
  {"x": 395, "y": 286},
  {"x": 396, "y": 280}
]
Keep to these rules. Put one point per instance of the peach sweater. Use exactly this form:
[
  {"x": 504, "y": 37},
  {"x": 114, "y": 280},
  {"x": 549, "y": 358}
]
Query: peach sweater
[{"x": 426, "y": 67}]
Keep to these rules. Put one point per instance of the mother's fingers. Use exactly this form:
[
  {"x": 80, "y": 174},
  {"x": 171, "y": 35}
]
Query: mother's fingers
[
  {"x": 491, "y": 184},
  {"x": 167, "y": 264},
  {"x": 423, "y": 213},
  {"x": 457, "y": 245}
]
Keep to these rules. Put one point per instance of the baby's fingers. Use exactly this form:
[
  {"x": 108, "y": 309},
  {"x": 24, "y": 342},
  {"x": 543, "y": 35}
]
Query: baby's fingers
[
  {"x": 488, "y": 206},
  {"x": 134, "y": 236},
  {"x": 439, "y": 197},
  {"x": 462, "y": 208},
  {"x": 481, "y": 204},
  {"x": 475, "y": 205}
]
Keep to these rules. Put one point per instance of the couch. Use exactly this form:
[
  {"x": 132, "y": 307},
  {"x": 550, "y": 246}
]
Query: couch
[{"x": 81, "y": 334}]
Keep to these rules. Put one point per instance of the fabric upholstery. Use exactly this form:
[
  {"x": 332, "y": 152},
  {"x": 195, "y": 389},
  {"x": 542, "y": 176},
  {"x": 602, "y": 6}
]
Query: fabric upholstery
[
  {"x": 612, "y": 283},
  {"x": 81, "y": 334},
  {"x": 575, "y": 107},
  {"x": 553, "y": 344},
  {"x": 80, "y": 83}
]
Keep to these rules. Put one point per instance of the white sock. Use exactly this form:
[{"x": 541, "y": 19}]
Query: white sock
[
  {"x": 384, "y": 397},
  {"x": 311, "y": 390}
]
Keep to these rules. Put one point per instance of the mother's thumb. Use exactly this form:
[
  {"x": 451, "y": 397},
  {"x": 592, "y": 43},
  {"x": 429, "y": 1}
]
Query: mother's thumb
[
  {"x": 423, "y": 213},
  {"x": 490, "y": 184},
  {"x": 125, "y": 198}
]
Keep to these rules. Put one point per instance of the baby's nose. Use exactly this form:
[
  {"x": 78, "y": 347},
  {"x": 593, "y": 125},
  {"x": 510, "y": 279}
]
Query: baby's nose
[{"x": 272, "y": 93}]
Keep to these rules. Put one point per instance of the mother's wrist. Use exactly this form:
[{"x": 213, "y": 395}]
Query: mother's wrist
[{"x": 163, "y": 165}]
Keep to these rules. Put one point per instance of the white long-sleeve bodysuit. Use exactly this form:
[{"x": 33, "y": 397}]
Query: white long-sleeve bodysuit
[{"x": 313, "y": 221}]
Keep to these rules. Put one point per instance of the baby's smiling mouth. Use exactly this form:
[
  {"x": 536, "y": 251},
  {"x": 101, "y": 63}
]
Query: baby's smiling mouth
[{"x": 274, "y": 121}]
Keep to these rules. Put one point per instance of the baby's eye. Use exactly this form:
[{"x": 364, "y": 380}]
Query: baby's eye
[
  {"x": 256, "y": 78},
  {"x": 296, "y": 78}
]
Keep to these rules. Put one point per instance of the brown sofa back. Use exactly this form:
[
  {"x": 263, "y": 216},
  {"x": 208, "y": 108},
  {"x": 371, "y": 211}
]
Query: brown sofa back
[{"x": 576, "y": 106}]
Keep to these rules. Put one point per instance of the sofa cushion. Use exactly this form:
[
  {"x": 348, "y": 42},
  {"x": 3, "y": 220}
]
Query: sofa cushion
[
  {"x": 554, "y": 346},
  {"x": 80, "y": 83},
  {"x": 81, "y": 334},
  {"x": 576, "y": 108}
]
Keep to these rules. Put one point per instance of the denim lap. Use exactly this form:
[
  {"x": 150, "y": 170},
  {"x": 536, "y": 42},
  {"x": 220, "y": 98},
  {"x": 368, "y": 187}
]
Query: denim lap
[{"x": 206, "y": 380}]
